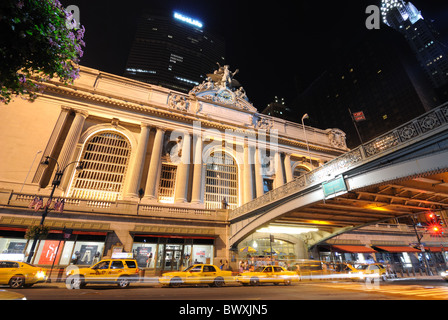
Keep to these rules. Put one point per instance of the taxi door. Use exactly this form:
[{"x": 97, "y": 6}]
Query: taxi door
[
  {"x": 209, "y": 274},
  {"x": 194, "y": 276},
  {"x": 116, "y": 269},
  {"x": 268, "y": 274},
  {"x": 98, "y": 272},
  {"x": 7, "y": 269}
]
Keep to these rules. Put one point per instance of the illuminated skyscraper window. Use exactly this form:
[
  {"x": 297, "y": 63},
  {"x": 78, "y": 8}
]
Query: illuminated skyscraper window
[
  {"x": 422, "y": 37},
  {"x": 105, "y": 161}
]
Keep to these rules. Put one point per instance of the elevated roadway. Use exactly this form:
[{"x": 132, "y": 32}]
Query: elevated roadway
[{"x": 403, "y": 172}]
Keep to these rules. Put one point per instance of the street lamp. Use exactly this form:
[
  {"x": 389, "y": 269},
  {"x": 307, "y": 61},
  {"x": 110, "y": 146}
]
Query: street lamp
[
  {"x": 305, "y": 116},
  {"x": 56, "y": 182}
]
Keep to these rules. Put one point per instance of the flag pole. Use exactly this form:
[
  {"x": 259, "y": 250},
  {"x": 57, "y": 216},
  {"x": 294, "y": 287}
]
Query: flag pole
[{"x": 356, "y": 127}]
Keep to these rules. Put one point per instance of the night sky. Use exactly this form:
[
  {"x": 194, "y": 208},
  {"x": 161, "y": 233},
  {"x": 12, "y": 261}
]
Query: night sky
[{"x": 279, "y": 49}]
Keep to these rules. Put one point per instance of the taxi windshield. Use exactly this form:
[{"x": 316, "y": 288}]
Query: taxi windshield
[
  {"x": 362, "y": 266},
  {"x": 193, "y": 268}
]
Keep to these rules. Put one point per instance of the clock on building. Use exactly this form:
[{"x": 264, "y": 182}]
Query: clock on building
[{"x": 225, "y": 96}]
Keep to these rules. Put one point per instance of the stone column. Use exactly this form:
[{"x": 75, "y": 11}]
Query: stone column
[
  {"x": 279, "y": 179},
  {"x": 197, "y": 171},
  {"x": 154, "y": 165},
  {"x": 258, "y": 174},
  {"x": 288, "y": 169},
  {"x": 248, "y": 179},
  {"x": 68, "y": 149},
  {"x": 135, "y": 173},
  {"x": 183, "y": 170}
]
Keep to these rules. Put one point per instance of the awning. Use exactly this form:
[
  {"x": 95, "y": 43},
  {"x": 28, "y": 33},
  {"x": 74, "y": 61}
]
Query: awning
[
  {"x": 395, "y": 249},
  {"x": 436, "y": 249},
  {"x": 352, "y": 249}
]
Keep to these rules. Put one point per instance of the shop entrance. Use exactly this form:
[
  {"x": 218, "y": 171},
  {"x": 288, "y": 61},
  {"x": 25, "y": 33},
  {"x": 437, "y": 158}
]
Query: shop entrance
[
  {"x": 173, "y": 257},
  {"x": 165, "y": 254}
]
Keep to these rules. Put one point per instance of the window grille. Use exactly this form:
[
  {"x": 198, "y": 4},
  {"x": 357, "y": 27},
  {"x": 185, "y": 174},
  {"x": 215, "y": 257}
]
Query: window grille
[
  {"x": 221, "y": 181},
  {"x": 167, "y": 183},
  {"x": 105, "y": 160}
]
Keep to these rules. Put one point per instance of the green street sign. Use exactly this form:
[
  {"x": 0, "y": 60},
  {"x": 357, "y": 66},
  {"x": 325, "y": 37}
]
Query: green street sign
[{"x": 334, "y": 186}]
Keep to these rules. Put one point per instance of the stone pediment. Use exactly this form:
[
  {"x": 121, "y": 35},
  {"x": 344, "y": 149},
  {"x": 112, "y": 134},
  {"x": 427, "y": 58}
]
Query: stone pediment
[{"x": 221, "y": 87}]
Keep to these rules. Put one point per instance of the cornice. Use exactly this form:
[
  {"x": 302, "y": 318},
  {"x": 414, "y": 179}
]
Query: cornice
[{"x": 164, "y": 112}]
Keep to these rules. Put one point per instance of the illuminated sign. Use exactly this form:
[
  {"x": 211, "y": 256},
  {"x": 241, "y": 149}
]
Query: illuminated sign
[{"x": 188, "y": 20}]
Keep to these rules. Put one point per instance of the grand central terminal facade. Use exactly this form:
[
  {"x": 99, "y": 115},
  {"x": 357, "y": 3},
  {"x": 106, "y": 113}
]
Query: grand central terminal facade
[{"x": 143, "y": 169}]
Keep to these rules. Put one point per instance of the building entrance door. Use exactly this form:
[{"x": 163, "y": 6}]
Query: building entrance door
[{"x": 173, "y": 257}]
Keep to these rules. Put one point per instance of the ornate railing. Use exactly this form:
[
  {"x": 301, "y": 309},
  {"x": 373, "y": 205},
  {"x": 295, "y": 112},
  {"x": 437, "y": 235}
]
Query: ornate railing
[
  {"x": 421, "y": 127},
  {"x": 122, "y": 207}
]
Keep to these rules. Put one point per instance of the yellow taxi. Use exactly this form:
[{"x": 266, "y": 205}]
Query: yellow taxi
[
  {"x": 369, "y": 271},
  {"x": 197, "y": 274},
  {"x": 268, "y": 274},
  {"x": 119, "y": 271},
  {"x": 18, "y": 274}
]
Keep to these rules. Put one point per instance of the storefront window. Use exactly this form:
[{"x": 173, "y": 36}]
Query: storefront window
[
  {"x": 87, "y": 253},
  {"x": 202, "y": 254},
  {"x": 8, "y": 245},
  {"x": 171, "y": 254},
  {"x": 145, "y": 254}
]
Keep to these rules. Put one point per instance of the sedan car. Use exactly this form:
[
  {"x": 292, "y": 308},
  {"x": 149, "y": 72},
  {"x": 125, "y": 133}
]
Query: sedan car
[
  {"x": 268, "y": 274},
  {"x": 197, "y": 274},
  {"x": 368, "y": 271},
  {"x": 18, "y": 274}
]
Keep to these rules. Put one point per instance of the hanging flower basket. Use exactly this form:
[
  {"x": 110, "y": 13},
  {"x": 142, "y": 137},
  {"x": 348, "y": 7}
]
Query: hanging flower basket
[{"x": 39, "y": 230}]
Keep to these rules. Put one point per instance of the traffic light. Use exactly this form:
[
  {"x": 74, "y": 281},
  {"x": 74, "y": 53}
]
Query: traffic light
[{"x": 434, "y": 224}]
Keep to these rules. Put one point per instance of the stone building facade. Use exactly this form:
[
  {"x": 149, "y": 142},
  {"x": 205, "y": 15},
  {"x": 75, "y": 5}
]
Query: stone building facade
[{"x": 160, "y": 169}]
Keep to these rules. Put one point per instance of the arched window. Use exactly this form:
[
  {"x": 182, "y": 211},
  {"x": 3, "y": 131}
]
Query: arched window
[
  {"x": 221, "y": 181},
  {"x": 300, "y": 171},
  {"x": 105, "y": 161}
]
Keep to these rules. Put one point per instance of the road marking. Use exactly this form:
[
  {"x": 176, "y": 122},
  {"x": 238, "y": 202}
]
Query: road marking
[{"x": 408, "y": 291}]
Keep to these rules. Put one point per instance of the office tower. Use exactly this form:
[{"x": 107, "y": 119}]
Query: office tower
[
  {"x": 378, "y": 76},
  {"x": 173, "y": 51},
  {"x": 422, "y": 37}
]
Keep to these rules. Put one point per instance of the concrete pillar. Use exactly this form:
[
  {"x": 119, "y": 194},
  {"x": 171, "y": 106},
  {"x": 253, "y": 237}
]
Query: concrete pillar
[
  {"x": 258, "y": 174},
  {"x": 248, "y": 179},
  {"x": 135, "y": 174},
  {"x": 68, "y": 149},
  {"x": 183, "y": 170},
  {"x": 279, "y": 178},
  {"x": 197, "y": 169},
  {"x": 288, "y": 169},
  {"x": 154, "y": 165}
]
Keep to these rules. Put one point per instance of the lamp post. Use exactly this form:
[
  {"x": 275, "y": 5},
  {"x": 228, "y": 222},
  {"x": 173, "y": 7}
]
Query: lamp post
[
  {"x": 305, "y": 116},
  {"x": 56, "y": 181}
]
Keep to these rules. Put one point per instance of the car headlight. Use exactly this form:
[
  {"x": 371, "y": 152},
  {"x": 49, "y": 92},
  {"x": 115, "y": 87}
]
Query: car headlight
[
  {"x": 40, "y": 275},
  {"x": 443, "y": 274}
]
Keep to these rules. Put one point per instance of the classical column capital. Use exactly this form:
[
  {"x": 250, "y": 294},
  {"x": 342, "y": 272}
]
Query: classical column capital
[{"x": 83, "y": 113}]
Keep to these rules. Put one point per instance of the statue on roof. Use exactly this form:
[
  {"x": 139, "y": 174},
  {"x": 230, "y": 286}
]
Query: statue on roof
[
  {"x": 222, "y": 87},
  {"x": 223, "y": 77}
]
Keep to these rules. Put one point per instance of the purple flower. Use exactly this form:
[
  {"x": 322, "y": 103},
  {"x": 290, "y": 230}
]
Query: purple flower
[
  {"x": 22, "y": 78},
  {"x": 80, "y": 33}
]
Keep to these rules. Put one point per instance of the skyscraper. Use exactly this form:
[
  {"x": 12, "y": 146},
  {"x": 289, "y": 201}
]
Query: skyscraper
[
  {"x": 377, "y": 75},
  {"x": 173, "y": 51},
  {"x": 422, "y": 37}
]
